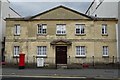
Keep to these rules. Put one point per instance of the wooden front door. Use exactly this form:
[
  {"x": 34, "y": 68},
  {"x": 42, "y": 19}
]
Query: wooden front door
[{"x": 61, "y": 54}]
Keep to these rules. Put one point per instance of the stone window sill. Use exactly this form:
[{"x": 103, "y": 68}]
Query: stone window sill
[
  {"x": 105, "y": 56},
  {"x": 16, "y": 34},
  {"x": 77, "y": 56},
  {"x": 80, "y": 34},
  {"x": 104, "y": 34},
  {"x": 41, "y": 56},
  {"x": 60, "y": 34},
  {"x": 15, "y": 56},
  {"x": 41, "y": 34}
]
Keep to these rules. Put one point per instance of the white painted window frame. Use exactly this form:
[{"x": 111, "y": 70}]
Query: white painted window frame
[
  {"x": 80, "y": 51},
  {"x": 17, "y": 29},
  {"x": 61, "y": 28},
  {"x": 104, "y": 29},
  {"x": 16, "y": 51},
  {"x": 80, "y": 27},
  {"x": 41, "y": 51},
  {"x": 105, "y": 51},
  {"x": 41, "y": 28}
]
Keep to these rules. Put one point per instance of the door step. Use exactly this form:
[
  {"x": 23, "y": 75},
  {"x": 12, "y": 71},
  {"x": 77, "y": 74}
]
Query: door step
[{"x": 61, "y": 66}]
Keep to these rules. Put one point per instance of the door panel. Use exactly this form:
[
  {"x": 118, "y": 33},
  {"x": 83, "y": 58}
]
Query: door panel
[{"x": 61, "y": 55}]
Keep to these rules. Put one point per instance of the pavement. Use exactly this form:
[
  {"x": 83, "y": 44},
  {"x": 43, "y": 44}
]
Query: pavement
[{"x": 62, "y": 73}]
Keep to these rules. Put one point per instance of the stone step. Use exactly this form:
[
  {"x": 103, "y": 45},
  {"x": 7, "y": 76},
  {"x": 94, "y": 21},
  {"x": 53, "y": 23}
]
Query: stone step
[{"x": 61, "y": 66}]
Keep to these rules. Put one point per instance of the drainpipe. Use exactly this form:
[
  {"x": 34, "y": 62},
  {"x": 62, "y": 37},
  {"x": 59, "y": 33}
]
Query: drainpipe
[{"x": 117, "y": 42}]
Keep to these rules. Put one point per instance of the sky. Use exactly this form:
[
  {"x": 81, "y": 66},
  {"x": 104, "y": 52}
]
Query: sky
[{"x": 33, "y": 7}]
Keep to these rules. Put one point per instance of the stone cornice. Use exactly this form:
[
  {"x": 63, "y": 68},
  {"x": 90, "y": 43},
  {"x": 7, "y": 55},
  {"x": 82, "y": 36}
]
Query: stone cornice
[{"x": 72, "y": 40}]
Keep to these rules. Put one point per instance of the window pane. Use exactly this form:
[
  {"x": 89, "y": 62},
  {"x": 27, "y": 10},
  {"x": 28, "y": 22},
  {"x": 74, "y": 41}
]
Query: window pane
[
  {"x": 104, "y": 28},
  {"x": 17, "y": 29},
  {"x": 41, "y": 50},
  {"x": 105, "y": 50},
  {"x": 77, "y": 31},
  {"x": 44, "y": 26},
  {"x": 42, "y": 29},
  {"x": 80, "y": 50},
  {"x": 16, "y": 51},
  {"x": 61, "y": 29},
  {"x": 39, "y": 29},
  {"x": 80, "y": 28},
  {"x": 58, "y": 32}
]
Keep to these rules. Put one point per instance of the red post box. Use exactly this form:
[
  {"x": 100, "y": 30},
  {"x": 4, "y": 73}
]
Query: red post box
[{"x": 21, "y": 61}]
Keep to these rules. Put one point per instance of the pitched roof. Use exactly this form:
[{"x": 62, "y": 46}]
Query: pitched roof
[
  {"x": 15, "y": 11},
  {"x": 90, "y": 6},
  {"x": 61, "y": 6},
  {"x": 89, "y": 17}
]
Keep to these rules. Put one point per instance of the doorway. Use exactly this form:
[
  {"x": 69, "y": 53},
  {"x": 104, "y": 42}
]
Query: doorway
[{"x": 61, "y": 54}]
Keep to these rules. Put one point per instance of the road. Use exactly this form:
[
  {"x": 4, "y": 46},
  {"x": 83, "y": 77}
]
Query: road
[
  {"x": 27, "y": 78},
  {"x": 41, "y": 79},
  {"x": 84, "y": 73}
]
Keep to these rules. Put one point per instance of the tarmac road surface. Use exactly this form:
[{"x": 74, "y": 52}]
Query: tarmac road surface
[
  {"x": 29, "y": 78},
  {"x": 47, "y": 74}
]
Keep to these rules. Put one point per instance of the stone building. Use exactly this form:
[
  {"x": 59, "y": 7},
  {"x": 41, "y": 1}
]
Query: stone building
[
  {"x": 6, "y": 11},
  {"x": 61, "y": 36},
  {"x": 106, "y": 8}
]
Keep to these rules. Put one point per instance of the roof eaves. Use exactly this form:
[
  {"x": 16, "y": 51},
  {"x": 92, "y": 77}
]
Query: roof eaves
[
  {"x": 105, "y": 19},
  {"x": 14, "y": 19}
]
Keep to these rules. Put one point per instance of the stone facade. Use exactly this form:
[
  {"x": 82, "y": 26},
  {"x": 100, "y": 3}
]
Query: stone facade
[
  {"x": 5, "y": 12},
  {"x": 93, "y": 40},
  {"x": 103, "y": 8}
]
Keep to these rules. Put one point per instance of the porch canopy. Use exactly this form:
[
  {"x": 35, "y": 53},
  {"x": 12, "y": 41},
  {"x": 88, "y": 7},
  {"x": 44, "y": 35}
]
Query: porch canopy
[{"x": 61, "y": 42}]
